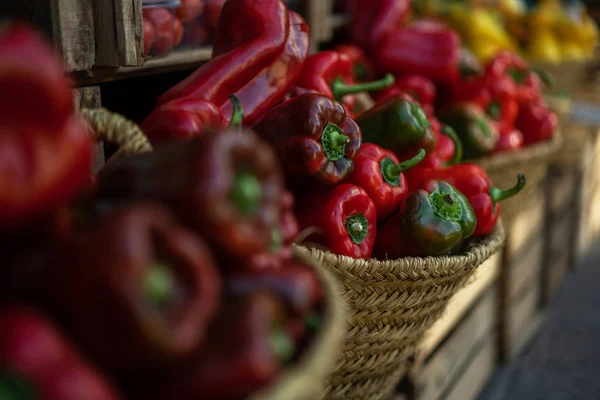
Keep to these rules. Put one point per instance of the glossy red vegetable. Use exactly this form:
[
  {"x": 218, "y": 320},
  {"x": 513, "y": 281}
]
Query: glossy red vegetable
[
  {"x": 432, "y": 51},
  {"x": 345, "y": 218},
  {"x": 137, "y": 290},
  {"x": 314, "y": 138},
  {"x": 332, "y": 74},
  {"x": 38, "y": 362},
  {"x": 381, "y": 175},
  {"x": 44, "y": 147},
  {"x": 421, "y": 89},
  {"x": 211, "y": 12},
  {"x": 363, "y": 68},
  {"x": 163, "y": 23},
  {"x": 536, "y": 121},
  {"x": 254, "y": 43},
  {"x": 189, "y": 10},
  {"x": 371, "y": 20},
  {"x": 148, "y": 35},
  {"x": 475, "y": 184},
  {"x": 510, "y": 140}
]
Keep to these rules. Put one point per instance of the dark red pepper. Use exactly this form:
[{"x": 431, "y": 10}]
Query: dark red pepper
[
  {"x": 363, "y": 68},
  {"x": 510, "y": 140},
  {"x": 536, "y": 121},
  {"x": 224, "y": 185},
  {"x": 345, "y": 218},
  {"x": 475, "y": 184},
  {"x": 315, "y": 140},
  {"x": 38, "y": 362},
  {"x": 332, "y": 74},
  {"x": 371, "y": 20},
  {"x": 137, "y": 290},
  {"x": 44, "y": 147},
  {"x": 381, "y": 175},
  {"x": 429, "y": 50},
  {"x": 246, "y": 349}
]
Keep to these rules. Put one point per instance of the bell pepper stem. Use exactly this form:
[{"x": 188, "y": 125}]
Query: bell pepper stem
[
  {"x": 357, "y": 227},
  {"x": 282, "y": 345},
  {"x": 237, "y": 113},
  {"x": 458, "y": 148},
  {"x": 334, "y": 142},
  {"x": 276, "y": 241},
  {"x": 419, "y": 114},
  {"x": 545, "y": 76},
  {"x": 159, "y": 284},
  {"x": 391, "y": 171},
  {"x": 247, "y": 193},
  {"x": 340, "y": 89},
  {"x": 446, "y": 205},
  {"x": 498, "y": 194}
]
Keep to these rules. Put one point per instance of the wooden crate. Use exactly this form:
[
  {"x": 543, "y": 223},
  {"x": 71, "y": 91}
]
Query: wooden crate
[
  {"x": 521, "y": 278},
  {"x": 558, "y": 252},
  {"x": 89, "y": 97},
  {"x": 463, "y": 362}
]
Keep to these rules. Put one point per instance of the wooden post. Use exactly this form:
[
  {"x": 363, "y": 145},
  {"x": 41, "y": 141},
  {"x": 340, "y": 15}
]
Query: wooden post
[{"x": 118, "y": 34}]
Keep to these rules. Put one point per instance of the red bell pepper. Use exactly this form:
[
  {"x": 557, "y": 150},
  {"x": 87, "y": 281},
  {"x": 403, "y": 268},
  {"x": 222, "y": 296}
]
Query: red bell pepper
[
  {"x": 44, "y": 147},
  {"x": 432, "y": 51},
  {"x": 371, "y": 20},
  {"x": 332, "y": 74},
  {"x": 136, "y": 289},
  {"x": 246, "y": 350},
  {"x": 475, "y": 184},
  {"x": 510, "y": 140},
  {"x": 536, "y": 121},
  {"x": 528, "y": 82},
  {"x": 380, "y": 174},
  {"x": 449, "y": 147},
  {"x": 38, "y": 362},
  {"x": 264, "y": 91},
  {"x": 345, "y": 218},
  {"x": 254, "y": 42},
  {"x": 421, "y": 89},
  {"x": 225, "y": 185},
  {"x": 315, "y": 140},
  {"x": 363, "y": 68}
]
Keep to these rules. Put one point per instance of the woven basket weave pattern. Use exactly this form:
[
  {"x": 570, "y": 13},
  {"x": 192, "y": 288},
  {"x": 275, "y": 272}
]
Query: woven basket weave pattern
[{"x": 392, "y": 303}]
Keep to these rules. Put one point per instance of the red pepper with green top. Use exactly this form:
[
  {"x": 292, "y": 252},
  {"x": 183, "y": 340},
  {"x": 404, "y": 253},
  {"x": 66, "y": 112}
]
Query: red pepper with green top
[
  {"x": 344, "y": 217},
  {"x": 432, "y": 221},
  {"x": 228, "y": 188},
  {"x": 246, "y": 350},
  {"x": 314, "y": 138},
  {"x": 421, "y": 89},
  {"x": 38, "y": 362},
  {"x": 475, "y": 184},
  {"x": 137, "y": 290},
  {"x": 398, "y": 123},
  {"x": 381, "y": 175},
  {"x": 332, "y": 74},
  {"x": 510, "y": 140}
]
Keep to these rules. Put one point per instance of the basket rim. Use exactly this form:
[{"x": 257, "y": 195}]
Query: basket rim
[
  {"x": 530, "y": 154},
  {"x": 318, "y": 359},
  {"x": 414, "y": 269}
]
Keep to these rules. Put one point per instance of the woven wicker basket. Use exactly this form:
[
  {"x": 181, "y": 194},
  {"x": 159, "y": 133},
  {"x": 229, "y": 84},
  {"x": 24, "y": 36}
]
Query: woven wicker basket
[
  {"x": 303, "y": 380},
  {"x": 392, "y": 304},
  {"x": 578, "y": 79},
  {"x": 532, "y": 161}
]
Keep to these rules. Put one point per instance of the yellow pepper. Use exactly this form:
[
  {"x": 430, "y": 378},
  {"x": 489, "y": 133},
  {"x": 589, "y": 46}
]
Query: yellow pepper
[
  {"x": 482, "y": 24},
  {"x": 483, "y": 49},
  {"x": 573, "y": 51},
  {"x": 544, "y": 47}
]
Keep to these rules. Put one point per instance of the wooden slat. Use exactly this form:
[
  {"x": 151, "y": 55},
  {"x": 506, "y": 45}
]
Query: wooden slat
[
  {"x": 525, "y": 271},
  {"x": 458, "y": 306},
  {"x": 526, "y": 225},
  {"x": 73, "y": 32},
  {"x": 477, "y": 374},
  {"x": 453, "y": 356},
  {"x": 560, "y": 185},
  {"x": 89, "y": 97},
  {"x": 118, "y": 32}
]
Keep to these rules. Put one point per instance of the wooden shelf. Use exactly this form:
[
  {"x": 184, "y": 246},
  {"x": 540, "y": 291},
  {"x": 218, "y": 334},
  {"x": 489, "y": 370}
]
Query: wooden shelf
[{"x": 178, "y": 60}]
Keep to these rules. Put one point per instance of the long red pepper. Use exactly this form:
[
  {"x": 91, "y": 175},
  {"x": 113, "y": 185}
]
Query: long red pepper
[
  {"x": 475, "y": 184},
  {"x": 251, "y": 35},
  {"x": 370, "y": 20}
]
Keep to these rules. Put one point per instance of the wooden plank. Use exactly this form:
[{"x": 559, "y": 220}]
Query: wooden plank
[
  {"x": 176, "y": 61},
  {"x": 477, "y": 374},
  {"x": 118, "y": 32},
  {"x": 73, "y": 32},
  {"x": 527, "y": 224},
  {"x": 524, "y": 271},
  {"x": 458, "y": 307},
  {"x": 453, "y": 356},
  {"x": 557, "y": 271},
  {"x": 558, "y": 231},
  {"x": 560, "y": 185},
  {"x": 89, "y": 97}
]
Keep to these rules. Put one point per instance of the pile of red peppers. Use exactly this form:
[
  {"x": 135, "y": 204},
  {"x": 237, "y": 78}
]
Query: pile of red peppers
[{"x": 170, "y": 274}]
